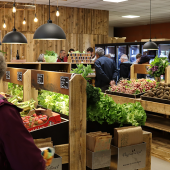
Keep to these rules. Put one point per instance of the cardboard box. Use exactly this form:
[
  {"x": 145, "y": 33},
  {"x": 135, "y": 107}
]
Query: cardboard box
[
  {"x": 130, "y": 157},
  {"x": 120, "y": 39},
  {"x": 98, "y": 141},
  {"x": 161, "y": 39},
  {"x": 126, "y": 136},
  {"x": 53, "y": 118},
  {"x": 97, "y": 160}
]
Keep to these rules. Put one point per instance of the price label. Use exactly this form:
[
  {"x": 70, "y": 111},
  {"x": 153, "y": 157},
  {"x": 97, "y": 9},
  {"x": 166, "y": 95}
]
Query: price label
[
  {"x": 19, "y": 76},
  {"x": 64, "y": 82},
  {"x": 8, "y": 75},
  {"x": 40, "y": 78}
]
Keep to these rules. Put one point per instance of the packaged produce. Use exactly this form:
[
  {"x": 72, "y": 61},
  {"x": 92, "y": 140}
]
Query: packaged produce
[{"x": 40, "y": 118}]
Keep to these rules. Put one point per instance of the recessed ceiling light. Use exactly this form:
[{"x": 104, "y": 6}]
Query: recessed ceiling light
[
  {"x": 117, "y": 1},
  {"x": 130, "y": 16}
]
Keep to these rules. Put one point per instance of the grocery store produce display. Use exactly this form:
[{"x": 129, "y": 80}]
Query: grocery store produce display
[
  {"x": 162, "y": 91},
  {"x": 133, "y": 86},
  {"x": 55, "y": 101},
  {"x": 102, "y": 108}
]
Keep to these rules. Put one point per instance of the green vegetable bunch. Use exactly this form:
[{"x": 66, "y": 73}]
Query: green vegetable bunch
[
  {"x": 157, "y": 67},
  {"x": 15, "y": 90},
  {"x": 49, "y": 53},
  {"x": 55, "y": 101}
]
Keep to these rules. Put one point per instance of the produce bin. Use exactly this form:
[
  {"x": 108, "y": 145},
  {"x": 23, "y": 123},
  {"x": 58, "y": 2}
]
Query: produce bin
[
  {"x": 59, "y": 133},
  {"x": 158, "y": 100}
]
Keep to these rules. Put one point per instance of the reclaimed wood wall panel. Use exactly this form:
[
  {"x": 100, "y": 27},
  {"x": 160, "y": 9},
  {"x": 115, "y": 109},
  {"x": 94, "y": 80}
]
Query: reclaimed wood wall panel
[{"x": 83, "y": 28}]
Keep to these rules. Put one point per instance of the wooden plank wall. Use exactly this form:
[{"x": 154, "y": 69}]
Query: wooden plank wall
[{"x": 83, "y": 28}]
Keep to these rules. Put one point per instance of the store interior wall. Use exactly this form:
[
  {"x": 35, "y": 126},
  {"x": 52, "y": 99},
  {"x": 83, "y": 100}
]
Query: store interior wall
[
  {"x": 111, "y": 31},
  {"x": 136, "y": 33},
  {"x": 83, "y": 28}
]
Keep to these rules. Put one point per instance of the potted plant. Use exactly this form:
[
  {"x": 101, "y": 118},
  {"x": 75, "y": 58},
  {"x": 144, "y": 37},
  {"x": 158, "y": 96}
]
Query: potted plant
[
  {"x": 157, "y": 67},
  {"x": 50, "y": 56}
]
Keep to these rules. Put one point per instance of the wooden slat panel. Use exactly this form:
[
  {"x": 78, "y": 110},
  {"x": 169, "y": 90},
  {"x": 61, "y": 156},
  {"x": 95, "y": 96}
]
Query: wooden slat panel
[{"x": 141, "y": 68}]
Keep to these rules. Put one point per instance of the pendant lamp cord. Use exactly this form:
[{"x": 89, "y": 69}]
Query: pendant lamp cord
[
  {"x": 4, "y": 12},
  {"x": 57, "y": 3},
  {"x": 150, "y": 19},
  {"x": 49, "y": 9},
  {"x": 14, "y": 20}
]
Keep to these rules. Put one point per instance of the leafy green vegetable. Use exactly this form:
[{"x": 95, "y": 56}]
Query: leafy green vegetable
[
  {"x": 49, "y": 53},
  {"x": 54, "y": 101},
  {"x": 157, "y": 67},
  {"x": 50, "y": 56}
]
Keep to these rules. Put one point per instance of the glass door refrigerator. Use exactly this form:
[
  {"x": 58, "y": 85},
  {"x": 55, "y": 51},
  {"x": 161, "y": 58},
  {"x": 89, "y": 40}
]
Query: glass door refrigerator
[
  {"x": 112, "y": 51},
  {"x": 120, "y": 50},
  {"x": 133, "y": 50},
  {"x": 164, "y": 49}
]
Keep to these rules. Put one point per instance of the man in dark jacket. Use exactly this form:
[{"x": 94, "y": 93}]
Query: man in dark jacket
[{"x": 106, "y": 71}]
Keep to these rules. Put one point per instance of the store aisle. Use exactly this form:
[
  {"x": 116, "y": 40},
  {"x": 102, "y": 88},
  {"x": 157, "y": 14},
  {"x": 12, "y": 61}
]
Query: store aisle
[{"x": 158, "y": 164}]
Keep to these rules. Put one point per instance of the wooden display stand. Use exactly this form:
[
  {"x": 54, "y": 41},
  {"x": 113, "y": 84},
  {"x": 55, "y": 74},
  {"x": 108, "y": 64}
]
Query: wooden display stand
[
  {"x": 73, "y": 153},
  {"x": 20, "y": 77}
]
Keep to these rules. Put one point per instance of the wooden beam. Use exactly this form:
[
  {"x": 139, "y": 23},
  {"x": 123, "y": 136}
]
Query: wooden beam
[
  {"x": 63, "y": 151},
  {"x": 77, "y": 122}
]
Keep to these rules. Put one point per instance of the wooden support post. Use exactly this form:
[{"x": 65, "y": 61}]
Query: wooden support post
[
  {"x": 77, "y": 122},
  {"x": 167, "y": 74},
  {"x": 132, "y": 72},
  {"x": 27, "y": 85},
  {"x": 1, "y": 86},
  {"x": 34, "y": 95}
]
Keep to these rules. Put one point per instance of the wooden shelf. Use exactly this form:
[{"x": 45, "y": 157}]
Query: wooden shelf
[
  {"x": 157, "y": 122},
  {"x": 161, "y": 148}
]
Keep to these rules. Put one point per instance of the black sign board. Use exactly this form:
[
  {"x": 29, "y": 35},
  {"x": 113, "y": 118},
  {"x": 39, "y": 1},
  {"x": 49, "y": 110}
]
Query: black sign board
[
  {"x": 64, "y": 82},
  {"x": 40, "y": 78},
  {"x": 19, "y": 76},
  {"x": 8, "y": 75}
]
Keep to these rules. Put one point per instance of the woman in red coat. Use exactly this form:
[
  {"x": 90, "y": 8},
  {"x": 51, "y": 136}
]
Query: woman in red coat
[{"x": 17, "y": 148}]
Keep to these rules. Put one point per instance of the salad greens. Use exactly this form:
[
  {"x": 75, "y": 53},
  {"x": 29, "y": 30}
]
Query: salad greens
[{"x": 55, "y": 101}]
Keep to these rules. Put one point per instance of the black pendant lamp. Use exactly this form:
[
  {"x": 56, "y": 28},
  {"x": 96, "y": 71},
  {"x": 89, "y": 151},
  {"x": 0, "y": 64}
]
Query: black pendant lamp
[
  {"x": 49, "y": 31},
  {"x": 150, "y": 45},
  {"x": 14, "y": 37}
]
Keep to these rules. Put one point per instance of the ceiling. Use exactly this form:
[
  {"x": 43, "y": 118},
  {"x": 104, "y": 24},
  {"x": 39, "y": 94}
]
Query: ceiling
[{"x": 160, "y": 10}]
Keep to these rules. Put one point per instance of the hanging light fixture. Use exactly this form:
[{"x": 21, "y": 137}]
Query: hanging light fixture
[
  {"x": 24, "y": 21},
  {"x": 57, "y": 12},
  {"x": 49, "y": 31},
  {"x": 14, "y": 8},
  {"x": 14, "y": 37},
  {"x": 35, "y": 19},
  {"x": 150, "y": 45},
  {"x": 4, "y": 25}
]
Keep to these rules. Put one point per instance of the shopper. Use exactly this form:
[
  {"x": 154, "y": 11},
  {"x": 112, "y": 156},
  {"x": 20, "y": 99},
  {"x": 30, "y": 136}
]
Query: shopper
[
  {"x": 124, "y": 59},
  {"x": 62, "y": 57},
  {"x": 138, "y": 57},
  {"x": 124, "y": 67},
  {"x": 108, "y": 55},
  {"x": 17, "y": 148},
  {"x": 144, "y": 60},
  {"x": 41, "y": 58},
  {"x": 71, "y": 50},
  {"x": 106, "y": 71}
]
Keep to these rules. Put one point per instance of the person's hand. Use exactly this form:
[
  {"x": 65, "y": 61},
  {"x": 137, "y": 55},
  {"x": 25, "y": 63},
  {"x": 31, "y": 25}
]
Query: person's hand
[{"x": 112, "y": 82}]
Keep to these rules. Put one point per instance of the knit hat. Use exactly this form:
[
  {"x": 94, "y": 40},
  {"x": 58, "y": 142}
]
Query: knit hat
[{"x": 144, "y": 59}]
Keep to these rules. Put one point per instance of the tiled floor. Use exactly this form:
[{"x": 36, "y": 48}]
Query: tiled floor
[{"x": 158, "y": 164}]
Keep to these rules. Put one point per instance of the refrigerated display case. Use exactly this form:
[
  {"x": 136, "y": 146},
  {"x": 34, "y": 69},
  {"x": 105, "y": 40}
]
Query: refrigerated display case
[
  {"x": 164, "y": 50},
  {"x": 111, "y": 50},
  {"x": 133, "y": 51},
  {"x": 121, "y": 49}
]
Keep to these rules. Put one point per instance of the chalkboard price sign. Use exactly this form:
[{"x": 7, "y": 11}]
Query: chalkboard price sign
[
  {"x": 40, "y": 78},
  {"x": 19, "y": 76},
  {"x": 8, "y": 75},
  {"x": 64, "y": 82}
]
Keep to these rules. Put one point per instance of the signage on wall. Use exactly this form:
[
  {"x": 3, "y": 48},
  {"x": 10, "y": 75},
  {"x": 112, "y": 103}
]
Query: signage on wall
[
  {"x": 64, "y": 82},
  {"x": 19, "y": 76},
  {"x": 8, "y": 75},
  {"x": 40, "y": 78}
]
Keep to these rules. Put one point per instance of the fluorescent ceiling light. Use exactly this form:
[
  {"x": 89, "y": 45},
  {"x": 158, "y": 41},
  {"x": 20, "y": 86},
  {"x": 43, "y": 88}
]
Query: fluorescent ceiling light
[
  {"x": 117, "y": 1},
  {"x": 130, "y": 16}
]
